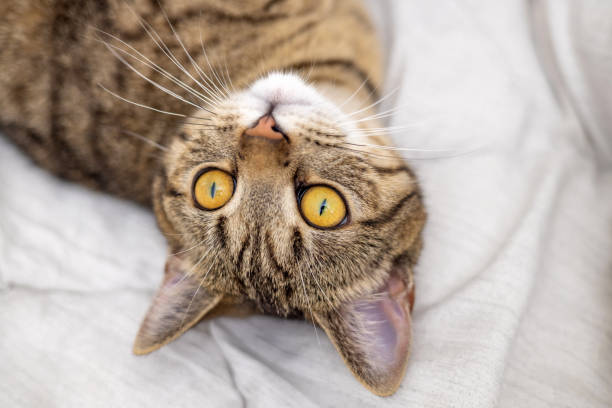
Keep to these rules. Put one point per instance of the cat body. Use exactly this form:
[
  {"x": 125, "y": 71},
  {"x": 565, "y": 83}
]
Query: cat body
[
  {"x": 247, "y": 126},
  {"x": 53, "y": 64}
]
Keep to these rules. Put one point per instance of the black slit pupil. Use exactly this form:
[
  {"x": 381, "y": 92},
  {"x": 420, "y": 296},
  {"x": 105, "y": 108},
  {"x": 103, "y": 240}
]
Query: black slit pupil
[
  {"x": 213, "y": 189},
  {"x": 323, "y": 206}
]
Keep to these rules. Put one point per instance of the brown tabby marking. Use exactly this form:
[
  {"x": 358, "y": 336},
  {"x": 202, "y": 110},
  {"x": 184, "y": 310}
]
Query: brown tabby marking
[{"x": 52, "y": 62}]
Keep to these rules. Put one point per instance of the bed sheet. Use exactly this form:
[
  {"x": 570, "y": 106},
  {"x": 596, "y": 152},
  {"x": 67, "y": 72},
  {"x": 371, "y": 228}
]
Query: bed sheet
[{"x": 508, "y": 105}]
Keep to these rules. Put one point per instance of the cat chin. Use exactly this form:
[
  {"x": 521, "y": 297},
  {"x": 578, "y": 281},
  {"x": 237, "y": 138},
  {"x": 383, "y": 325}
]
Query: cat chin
[{"x": 279, "y": 88}]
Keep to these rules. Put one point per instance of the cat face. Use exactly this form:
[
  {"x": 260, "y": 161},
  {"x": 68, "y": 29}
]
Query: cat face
[
  {"x": 272, "y": 198},
  {"x": 259, "y": 244}
]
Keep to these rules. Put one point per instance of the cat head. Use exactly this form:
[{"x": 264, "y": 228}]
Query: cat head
[{"x": 273, "y": 197}]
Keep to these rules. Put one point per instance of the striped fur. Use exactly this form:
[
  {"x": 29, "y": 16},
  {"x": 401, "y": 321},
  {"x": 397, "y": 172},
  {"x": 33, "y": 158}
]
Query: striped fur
[{"x": 51, "y": 64}]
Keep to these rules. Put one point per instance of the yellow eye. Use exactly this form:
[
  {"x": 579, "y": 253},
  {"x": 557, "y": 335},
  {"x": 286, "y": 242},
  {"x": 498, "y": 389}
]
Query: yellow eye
[
  {"x": 323, "y": 207},
  {"x": 212, "y": 189}
]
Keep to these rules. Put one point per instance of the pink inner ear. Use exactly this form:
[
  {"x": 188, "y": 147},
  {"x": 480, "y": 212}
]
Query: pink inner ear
[
  {"x": 174, "y": 271},
  {"x": 381, "y": 325}
]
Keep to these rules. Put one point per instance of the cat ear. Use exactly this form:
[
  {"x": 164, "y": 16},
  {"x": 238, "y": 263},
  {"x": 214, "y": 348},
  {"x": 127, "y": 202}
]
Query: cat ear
[
  {"x": 372, "y": 334},
  {"x": 180, "y": 302}
]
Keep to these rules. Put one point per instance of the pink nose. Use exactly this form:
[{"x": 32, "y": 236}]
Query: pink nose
[{"x": 266, "y": 128}]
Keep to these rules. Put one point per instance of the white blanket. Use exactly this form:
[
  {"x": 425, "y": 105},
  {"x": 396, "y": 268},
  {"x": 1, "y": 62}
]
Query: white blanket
[{"x": 514, "y": 288}]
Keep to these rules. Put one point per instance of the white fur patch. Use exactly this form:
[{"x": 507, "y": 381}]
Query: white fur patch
[{"x": 285, "y": 89}]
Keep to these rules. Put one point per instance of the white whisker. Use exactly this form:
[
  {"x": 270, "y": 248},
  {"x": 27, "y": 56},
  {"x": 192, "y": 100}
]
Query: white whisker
[
  {"x": 144, "y": 139},
  {"x": 403, "y": 149},
  {"x": 166, "y": 90},
  {"x": 189, "y": 249},
  {"x": 178, "y": 38},
  {"x": 194, "y": 295},
  {"x": 140, "y": 104},
  {"x": 227, "y": 75},
  {"x": 147, "y": 62},
  {"x": 195, "y": 265},
  {"x": 382, "y": 129},
  {"x": 162, "y": 46},
  {"x": 310, "y": 269},
  {"x": 375, "y": 103},
  {"x": 212, "y": 70},
  {"x": 347, "y": 100},
  {"x": 322, "y": 292},
  {"x": 379, "y": 115},
  {"x": 447, "y": 153},
  {"x": 309, "y": 306}
]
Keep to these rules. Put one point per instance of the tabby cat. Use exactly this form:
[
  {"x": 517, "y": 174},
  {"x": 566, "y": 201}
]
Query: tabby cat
[{"x": 250, "y": 128}]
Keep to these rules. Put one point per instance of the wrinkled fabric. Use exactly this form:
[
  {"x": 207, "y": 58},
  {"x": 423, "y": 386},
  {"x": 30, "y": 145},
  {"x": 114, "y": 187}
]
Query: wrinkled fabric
[{"x": 506, "y": 108}]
